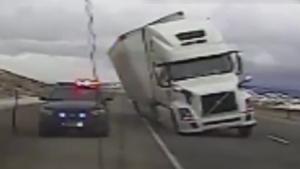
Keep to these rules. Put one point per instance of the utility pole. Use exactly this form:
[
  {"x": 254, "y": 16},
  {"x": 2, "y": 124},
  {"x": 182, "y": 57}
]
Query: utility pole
[{"x": 92, "y": 37}]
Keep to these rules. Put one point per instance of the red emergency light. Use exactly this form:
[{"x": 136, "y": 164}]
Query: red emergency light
[{"x": 87, "y": 83}]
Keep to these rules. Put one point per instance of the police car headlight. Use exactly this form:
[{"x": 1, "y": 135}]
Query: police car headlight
[
  {"x": 82, "y": 115},
  {"x": 97, "y": 112},
  {"x": 62, "y": 114}
]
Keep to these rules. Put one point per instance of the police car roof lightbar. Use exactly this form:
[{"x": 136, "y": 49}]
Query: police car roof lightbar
[{"x": 87, "y": 83}]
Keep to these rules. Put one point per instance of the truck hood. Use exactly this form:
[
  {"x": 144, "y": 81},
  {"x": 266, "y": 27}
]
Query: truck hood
[
  {"x": 70, "y": 105},
  {"x": 209, "y": 84}
]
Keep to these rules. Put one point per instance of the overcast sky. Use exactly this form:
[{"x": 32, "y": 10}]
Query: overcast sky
[{"x": 46, "y": 39}]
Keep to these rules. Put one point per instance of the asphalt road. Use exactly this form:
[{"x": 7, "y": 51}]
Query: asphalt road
[
  {"x": 131, "y": 145},
  {"x": 265, "y": 149}
]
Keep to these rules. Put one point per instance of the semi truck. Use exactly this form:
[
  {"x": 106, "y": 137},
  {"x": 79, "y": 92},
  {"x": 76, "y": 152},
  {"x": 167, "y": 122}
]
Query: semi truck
[{"x": 186, "y": 67}]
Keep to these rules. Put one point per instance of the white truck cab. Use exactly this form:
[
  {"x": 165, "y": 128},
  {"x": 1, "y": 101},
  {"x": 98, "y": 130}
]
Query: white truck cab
[{"x": 186, "y": 67}]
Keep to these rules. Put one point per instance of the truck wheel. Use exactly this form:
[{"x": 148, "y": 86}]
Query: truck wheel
[
  {"x": 245, "y": 131},
  {"x": 175, "y": 124}
]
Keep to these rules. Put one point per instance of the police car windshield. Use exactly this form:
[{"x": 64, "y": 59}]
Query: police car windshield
[{"x": 73, "y": 93}]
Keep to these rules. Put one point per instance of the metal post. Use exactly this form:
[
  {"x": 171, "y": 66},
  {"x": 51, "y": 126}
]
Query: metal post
[
  {"x": 288, "y": 114},
  {"x": 14, "y": 111}
]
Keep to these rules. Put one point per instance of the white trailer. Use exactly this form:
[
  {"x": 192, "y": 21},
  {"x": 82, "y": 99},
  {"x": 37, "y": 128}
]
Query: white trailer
[{"x": 186, "y": 67}]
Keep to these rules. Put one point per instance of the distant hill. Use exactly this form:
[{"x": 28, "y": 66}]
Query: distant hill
[
  {"x": 9, "y": 82},
  {"x": 272, "y": 89}
]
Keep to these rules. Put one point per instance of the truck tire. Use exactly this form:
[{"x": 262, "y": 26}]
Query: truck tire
[
  {"x": 147, "y": 111},
  {"x": 245, "y": 131},
  {"x": 154, "y": 113},
  {"x": 175, "y": 124}
]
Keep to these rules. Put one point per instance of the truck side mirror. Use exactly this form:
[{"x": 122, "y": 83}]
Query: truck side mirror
[
  {"x": 239, "y": 64},
  {"x": 246, "y": 79}
]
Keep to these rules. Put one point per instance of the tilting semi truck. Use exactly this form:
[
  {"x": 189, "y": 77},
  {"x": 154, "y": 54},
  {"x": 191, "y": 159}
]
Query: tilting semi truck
[{"x": 186, "y": 67}]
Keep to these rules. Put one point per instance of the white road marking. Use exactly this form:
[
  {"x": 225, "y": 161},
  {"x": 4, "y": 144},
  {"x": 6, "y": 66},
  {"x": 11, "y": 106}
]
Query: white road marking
[
  {"x": 175, "y": 163},
  {"x": 279, "y": 139}
]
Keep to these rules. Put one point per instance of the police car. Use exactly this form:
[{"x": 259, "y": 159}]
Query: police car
[{"x": 73, "y": 106}]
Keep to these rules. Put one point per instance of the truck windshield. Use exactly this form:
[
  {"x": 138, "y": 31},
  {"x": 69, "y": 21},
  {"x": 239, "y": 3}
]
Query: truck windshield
[
  {"x": 201, "y": 67},
  {"x": 73, "y": 93}
]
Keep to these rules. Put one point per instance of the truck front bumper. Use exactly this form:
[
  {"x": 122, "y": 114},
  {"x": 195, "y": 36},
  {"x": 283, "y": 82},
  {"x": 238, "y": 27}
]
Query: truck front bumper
[{"x": 200, "y": 125}]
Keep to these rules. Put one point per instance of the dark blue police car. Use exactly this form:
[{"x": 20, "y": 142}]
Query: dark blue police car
[{"x": 74, "y": 106}]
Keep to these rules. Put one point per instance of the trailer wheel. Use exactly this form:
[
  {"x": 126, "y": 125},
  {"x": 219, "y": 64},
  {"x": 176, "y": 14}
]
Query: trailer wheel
[{"x": 245, "y": 131}]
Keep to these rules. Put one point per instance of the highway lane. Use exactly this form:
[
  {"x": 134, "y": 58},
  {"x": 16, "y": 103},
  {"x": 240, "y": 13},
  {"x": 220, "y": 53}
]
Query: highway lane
[
  {"x": 224, "y": 149},
  {"x": 130, "y": 146}
]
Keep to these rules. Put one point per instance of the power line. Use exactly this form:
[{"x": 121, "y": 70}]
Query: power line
[{"x": 92, "y": 37}]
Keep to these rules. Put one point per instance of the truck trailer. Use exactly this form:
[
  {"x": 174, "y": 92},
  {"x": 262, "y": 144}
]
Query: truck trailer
[{"x": 186, "y": 67}]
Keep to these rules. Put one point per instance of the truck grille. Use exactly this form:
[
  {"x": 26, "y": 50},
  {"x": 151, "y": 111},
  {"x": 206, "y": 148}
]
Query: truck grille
[{"x": 211, "y": 106}]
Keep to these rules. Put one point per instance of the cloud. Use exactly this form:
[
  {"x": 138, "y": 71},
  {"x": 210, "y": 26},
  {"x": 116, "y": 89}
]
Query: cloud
[
  {"x": 35, "y": 27},
  {"x": 59, "y": 47},
  {"x": 263, "y": 59},
  {"x": 49, "y": 29},
  {"x": 267, "y": 36}
]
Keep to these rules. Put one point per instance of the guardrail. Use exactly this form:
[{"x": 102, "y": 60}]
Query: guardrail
[
  {"x": 14, "y": 103},
  {"x": 290, "y": 110}
]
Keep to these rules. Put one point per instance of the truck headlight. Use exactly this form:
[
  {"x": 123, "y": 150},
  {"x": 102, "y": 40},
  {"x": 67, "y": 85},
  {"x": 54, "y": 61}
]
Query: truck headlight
[{"x": 185, "y": 114}]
